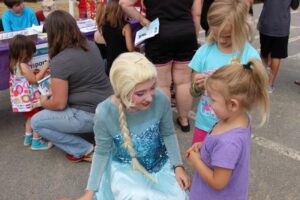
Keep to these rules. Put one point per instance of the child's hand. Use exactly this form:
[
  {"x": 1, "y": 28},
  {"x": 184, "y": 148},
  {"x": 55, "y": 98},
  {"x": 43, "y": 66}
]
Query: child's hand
[
  {"x": 182, "y": 178},
  {"x": 47, "y": 72},
  {"x": 43, "y": 99},
  {"x": 36, "y": 71},
  {"x": 192, "y": 155},
  {"x": 46, "y": 65},
  {"x": 195, "y": 147},
  {"x": 192, "y": 158},
  {"x": 199, "y": 80}
]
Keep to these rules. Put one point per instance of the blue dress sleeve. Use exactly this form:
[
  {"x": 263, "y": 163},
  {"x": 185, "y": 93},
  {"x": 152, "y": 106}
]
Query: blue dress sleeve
[
  {"x": 104, "y": 143},
  {"x": 168, "y": 132}
]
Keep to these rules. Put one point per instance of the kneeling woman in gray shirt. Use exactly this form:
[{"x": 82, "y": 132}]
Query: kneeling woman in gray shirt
[{"x": 78, "y": 84}]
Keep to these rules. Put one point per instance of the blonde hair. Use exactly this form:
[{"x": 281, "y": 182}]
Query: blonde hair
[
  {"x": 128, "y": 70},
  {"x": 233, "y": 13},
  {"x": 248, "y": 82}
]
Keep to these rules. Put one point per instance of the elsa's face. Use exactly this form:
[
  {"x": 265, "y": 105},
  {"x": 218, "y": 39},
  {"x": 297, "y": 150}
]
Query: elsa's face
[{"x": 142, "y": 95}]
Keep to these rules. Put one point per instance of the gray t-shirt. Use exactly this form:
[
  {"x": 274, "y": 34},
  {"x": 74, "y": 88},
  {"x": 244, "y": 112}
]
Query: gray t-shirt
[
  {"x": 275, "y": 18},
  {"x": 84, "y": 71}
]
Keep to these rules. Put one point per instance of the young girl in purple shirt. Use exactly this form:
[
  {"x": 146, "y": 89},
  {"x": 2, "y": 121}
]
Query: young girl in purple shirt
[{"x": 222, "y": 161}]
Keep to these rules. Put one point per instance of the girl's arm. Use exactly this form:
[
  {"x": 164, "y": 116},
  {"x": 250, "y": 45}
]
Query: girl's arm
[
  {"x": 30, "y": 76},
  {"x": 128, "y": 8},
  {"x": 128, "y": 37},
  {"x": 59, "y": 98},
  {"x": 217, "y": 177},
  {"x": 196, "y": 13},
  {"x": 98, "y": 37}
]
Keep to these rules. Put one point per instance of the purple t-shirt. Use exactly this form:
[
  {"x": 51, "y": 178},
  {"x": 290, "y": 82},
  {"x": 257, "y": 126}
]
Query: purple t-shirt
[{"x": 230, "y": 150}]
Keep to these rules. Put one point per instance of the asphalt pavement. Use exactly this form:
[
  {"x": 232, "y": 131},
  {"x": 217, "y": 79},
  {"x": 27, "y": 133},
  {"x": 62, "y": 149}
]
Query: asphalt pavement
[{"x": 275, "y": 156}]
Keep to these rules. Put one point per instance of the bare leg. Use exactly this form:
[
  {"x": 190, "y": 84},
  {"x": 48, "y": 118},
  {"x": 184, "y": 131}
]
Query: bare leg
[
  {"x": 164, "y": 79},
  {"x": 275, "y": 63},
  {"x": 28, "y": 128},
  {"x": 35, "y": 135},
  {"x": 265, "y": 61},
  {"x": 182, "y": 77}
]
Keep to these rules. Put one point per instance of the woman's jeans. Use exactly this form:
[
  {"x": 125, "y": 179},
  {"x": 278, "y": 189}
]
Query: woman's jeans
[{"x": 62, "y": 129}]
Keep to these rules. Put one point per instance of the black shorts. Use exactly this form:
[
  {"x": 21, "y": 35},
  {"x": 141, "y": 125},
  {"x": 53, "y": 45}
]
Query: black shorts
[
  {"x": 161, "y": 50},
  {"x": 277, "y": 47}
]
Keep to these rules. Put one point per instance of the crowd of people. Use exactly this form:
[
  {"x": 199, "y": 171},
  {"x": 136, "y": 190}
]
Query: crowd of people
[{"x": 122, "y": 93}]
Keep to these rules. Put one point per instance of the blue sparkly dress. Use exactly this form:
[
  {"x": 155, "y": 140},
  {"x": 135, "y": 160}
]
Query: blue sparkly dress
[{"x": 156, "y": 146}]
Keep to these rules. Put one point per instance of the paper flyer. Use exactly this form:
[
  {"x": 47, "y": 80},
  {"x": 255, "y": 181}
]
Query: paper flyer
[
  {"x": 147, "y": 32},
  {"x": 44, "y": 85},
  {"x": 87, "y": 25},
  {"x": 9, "y": 35}
]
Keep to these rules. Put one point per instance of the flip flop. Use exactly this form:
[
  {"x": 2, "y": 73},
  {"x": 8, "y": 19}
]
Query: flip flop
[
  {"x": 185, "y": 128},
  {"x": 297, "y": 82}
]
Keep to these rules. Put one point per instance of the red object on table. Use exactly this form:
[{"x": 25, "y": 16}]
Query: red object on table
[
  {"x": 91, "y": 9},
  {"x": 82, "y": 9}
]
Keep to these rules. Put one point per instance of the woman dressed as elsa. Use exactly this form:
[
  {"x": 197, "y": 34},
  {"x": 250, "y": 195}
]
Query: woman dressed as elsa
[{"x": 137, "y": 154}]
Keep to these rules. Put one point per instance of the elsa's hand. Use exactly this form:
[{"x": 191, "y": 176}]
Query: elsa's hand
[{"x": 182, "y": 178}]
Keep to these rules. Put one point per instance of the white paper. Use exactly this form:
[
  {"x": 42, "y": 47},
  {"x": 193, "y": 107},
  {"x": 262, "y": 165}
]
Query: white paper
[
  {"x": 44, "y": 85},
  {"x": 147, "y": 32},
  {"x": 9, "y": 35},
  {"x": 38, "y": 29},
  {"x": 86, "y": 25}
]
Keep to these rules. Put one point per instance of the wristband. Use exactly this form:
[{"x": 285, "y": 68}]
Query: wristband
[
  {"x": 175, "y": 166},
  {"x": 195, "y": 92}
]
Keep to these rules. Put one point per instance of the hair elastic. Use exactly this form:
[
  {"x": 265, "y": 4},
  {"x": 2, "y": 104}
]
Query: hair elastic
[
  {"x": 248, "y": 66},
  {"x": 194, "y": 91}
]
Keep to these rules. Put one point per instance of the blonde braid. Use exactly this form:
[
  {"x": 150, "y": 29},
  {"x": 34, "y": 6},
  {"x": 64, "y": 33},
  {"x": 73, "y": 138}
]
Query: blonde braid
[{"x": 129, "y": 146}]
